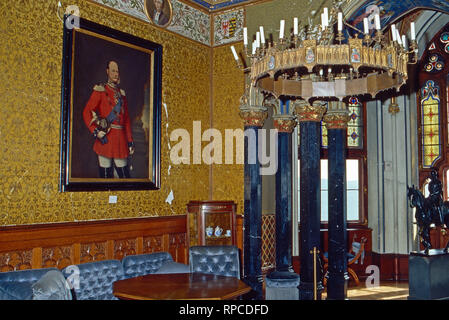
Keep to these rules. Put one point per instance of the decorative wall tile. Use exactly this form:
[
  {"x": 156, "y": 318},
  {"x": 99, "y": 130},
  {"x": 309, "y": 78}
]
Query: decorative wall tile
[
  {"x": 187, "y": 21},
  {"x": 134, "y": 8},
  {"x": 190, "y": 22},
  {"x": 228, "y": 27}
]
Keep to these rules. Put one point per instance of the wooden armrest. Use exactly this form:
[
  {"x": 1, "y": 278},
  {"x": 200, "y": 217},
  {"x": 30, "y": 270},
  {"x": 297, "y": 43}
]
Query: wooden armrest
[{"x": 362, "y": 249}]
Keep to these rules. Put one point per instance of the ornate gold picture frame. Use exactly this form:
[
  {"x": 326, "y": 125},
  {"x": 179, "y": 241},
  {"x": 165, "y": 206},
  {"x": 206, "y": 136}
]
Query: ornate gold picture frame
[{"x": 111, "y": 107}]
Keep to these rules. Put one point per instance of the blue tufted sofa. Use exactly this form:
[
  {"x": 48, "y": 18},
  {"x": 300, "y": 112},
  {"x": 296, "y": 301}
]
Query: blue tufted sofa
[
  {"x": 90, "y": 281},
  {"x": 18, "y": 285}
]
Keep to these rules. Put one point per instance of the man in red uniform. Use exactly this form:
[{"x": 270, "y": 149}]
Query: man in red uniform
[{"x": 106, "y": 116}]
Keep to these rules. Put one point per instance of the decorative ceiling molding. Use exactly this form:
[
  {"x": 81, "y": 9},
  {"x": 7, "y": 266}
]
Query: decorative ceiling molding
[
  {"x": 190, "y": 21},
  {"x": 214, "y": 5}
]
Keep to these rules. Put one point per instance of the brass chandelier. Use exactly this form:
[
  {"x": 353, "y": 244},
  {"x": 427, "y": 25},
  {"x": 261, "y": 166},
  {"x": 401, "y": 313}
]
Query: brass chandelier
[{"x": 319, "y": 63}]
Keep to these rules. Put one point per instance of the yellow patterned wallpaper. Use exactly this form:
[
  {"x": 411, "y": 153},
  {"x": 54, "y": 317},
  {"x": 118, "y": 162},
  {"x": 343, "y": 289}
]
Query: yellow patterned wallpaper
[
  {"x": 30, "y": 90},
  {"x": 227, "y": 88}
]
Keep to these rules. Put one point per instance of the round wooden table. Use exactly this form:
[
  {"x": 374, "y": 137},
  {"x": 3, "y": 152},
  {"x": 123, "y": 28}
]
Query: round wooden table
[{"x": 180, "y": 286}]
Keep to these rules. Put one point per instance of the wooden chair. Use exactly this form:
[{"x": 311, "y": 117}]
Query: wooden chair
[{"x": 352, "y": 258}]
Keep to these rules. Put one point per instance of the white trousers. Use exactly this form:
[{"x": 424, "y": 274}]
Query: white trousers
[{"x": 107, "y": 162}]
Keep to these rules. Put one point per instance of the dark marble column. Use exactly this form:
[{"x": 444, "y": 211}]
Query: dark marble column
[
  {"x": 284, "y": 270},
  {"x": 309, "y": 118},
  {"x": 252, "y": 221},
  {"x": 336, "y": 120}
]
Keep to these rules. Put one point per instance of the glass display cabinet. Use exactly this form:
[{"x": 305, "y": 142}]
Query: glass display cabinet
[{"x": 211, "y": 223}]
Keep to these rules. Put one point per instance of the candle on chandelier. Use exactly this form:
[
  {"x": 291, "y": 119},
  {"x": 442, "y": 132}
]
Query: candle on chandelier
[
  {"x": 245, "y": 36},
  {"x": 281, "y": 29},
  {"x": 393, "y": 32},
  {"x": 323, "y": 25},
  {"x": 236, "y": 57},
  {"x": 398, "y": 37},
  {"x": 295, "y": 26},
  {"x": 412, "y": 31},
  {"x": 326, "y": 17},
  {"x": 377, "y": 21},
  {"x": 257, "y": 39},
  {"x": 262, "y": 35},
  {"x": 340, "y": 21},
  {"x": 365, "y": 25},
  {"x": 404, "y": 39},
  {"x": 254, "y": 47}
]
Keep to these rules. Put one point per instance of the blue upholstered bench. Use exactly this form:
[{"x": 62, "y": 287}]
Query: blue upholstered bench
[
  {"x": 38, "y": 284},
  {"x": 157, "y": 262},
  {"x": 94, "y": 280},
  {"x": 88, "y": 281}
]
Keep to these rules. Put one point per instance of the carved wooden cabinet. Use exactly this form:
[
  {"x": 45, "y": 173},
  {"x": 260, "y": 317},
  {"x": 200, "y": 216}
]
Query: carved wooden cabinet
[{"x": 211, "y": 223}]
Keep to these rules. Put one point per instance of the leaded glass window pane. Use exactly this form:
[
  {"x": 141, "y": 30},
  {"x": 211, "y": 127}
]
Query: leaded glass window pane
[
  {"x": 430, "y": 124},
  {"x": 355, "y": 124}
]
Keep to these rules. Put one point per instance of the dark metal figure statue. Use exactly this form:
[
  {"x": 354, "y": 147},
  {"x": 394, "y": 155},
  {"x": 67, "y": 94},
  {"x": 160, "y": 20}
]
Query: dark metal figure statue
[{"x": 429, "y": 210}]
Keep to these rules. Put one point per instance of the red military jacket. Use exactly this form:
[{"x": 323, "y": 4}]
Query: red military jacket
[{"x": 102, "y": 101}]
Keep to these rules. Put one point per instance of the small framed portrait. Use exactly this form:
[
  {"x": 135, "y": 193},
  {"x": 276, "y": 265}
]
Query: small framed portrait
[
  {"x": 111, "y": 106},
  {"x": 160, "y": 12}
]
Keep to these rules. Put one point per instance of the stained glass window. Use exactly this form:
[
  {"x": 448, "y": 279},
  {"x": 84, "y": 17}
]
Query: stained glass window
[
  {"x": 430, "y": 123},
  {"x": 324, "y": 142},
  {"x": 355, "y": 126}
]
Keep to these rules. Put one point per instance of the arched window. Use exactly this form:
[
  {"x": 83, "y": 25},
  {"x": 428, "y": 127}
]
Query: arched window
[{"x": 433, "y": 109}]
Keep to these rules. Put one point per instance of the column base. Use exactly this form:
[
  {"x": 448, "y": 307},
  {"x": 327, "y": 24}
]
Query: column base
[
  {"x": 428, "y": 276},
  {"x": 306, "y": 291},
  {"x": 282, "y": 285},
  {"x": 337, "y": 286}
]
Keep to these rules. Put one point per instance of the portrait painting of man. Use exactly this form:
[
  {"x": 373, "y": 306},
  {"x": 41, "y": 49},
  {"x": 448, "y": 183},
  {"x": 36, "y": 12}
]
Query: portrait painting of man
[
  {"x": 109, "y": 111},
  {"x": 159, "y": 11}
]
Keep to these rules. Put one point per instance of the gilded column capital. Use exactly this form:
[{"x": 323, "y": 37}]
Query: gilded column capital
[
  {"x": 285, "y": 123},
  {"x": 337, "y": 115},
  {"x": 307, "y": 112},
  {"x": 253, "y": 115}
]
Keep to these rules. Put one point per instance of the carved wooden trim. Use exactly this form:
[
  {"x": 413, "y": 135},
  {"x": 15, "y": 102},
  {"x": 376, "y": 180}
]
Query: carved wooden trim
[{"x": 61, "y": 244}]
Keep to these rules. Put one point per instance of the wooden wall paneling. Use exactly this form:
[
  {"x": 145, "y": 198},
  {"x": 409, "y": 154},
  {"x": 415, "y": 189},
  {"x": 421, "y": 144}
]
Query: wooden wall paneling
[
  {"x": 239, "y": 236},
  {"x": 391, "y": 266},
  {"x": 16, "y": 260},
  {"x": 58, "y": 257},
  {"x": 125, "y": 247},
  {"x": 152, "y": 244},
  {"x": 62, "y": 244}
]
